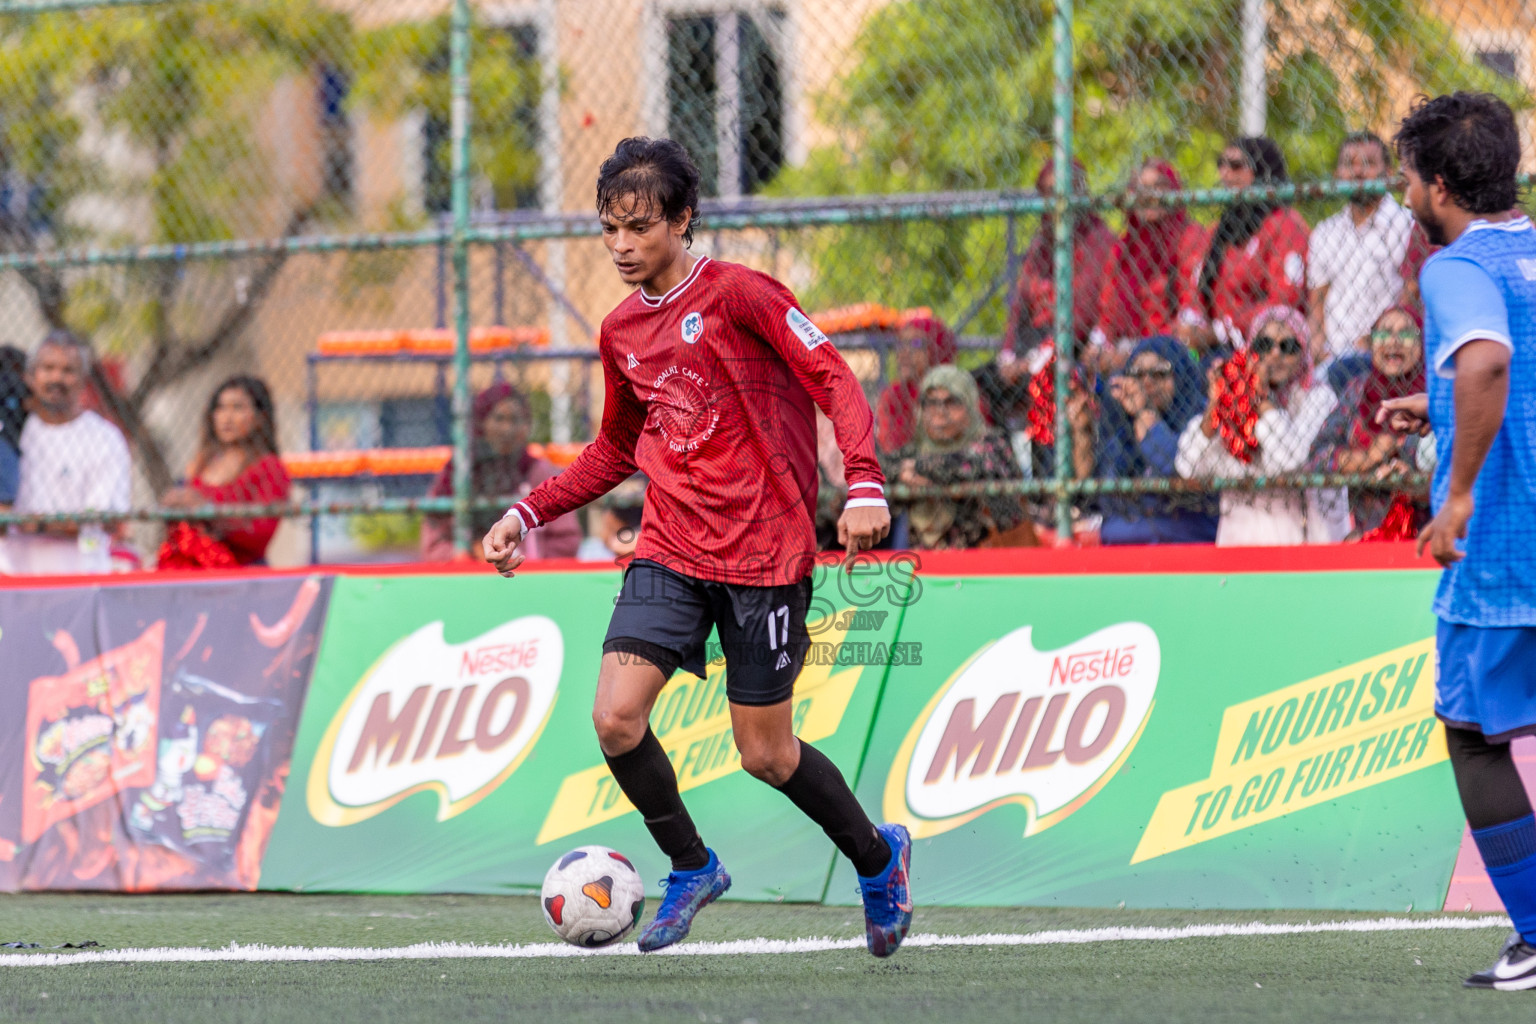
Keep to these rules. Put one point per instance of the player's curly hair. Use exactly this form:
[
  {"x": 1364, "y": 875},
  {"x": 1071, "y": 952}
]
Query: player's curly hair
[
  {"x": 1468, "y": 141},
  {"x": 655, "y": 171}
]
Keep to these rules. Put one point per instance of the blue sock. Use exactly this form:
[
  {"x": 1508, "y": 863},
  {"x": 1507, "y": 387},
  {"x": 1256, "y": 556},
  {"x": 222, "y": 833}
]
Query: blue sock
[{"x": 1509, "y": 852}]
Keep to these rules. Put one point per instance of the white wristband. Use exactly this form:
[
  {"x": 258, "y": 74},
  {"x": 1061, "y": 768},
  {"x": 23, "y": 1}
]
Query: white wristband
[
  {"x": 865, "y": 503},
  {"x": 513, "y": 513}
]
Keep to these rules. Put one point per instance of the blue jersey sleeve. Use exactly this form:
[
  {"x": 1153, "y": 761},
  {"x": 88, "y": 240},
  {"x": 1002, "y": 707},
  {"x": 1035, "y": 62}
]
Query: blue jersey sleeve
[{"x": 1462, "y": 303}]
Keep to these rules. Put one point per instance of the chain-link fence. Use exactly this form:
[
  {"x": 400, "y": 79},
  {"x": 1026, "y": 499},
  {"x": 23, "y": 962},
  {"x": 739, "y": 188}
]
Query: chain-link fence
[{"x": 382, "y": 211}]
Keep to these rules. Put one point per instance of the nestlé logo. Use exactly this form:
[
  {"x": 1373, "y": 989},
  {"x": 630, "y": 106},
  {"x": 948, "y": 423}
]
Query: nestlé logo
[
  {"x": 1044, "y": 729},
  {"x": 429, "y": 715}
]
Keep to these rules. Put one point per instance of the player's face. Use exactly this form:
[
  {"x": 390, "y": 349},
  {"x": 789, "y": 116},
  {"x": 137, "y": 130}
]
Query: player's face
[
  {"x": 1416, "y": 198},
  {"x": 1396, "y": 344},
  {"x": 234, "y": 417},
  {"x": 506, "y": 428},
  {"x": 642, "y": 243},
  {"x": 57, "y": 380},
  {"x": 944, "y": 415}
]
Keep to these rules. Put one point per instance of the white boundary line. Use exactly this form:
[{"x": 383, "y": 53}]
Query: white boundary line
[{"x": 549, "y": 950}]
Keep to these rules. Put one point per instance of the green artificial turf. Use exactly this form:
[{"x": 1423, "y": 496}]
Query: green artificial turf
[{"x": 1386, "y": 976}]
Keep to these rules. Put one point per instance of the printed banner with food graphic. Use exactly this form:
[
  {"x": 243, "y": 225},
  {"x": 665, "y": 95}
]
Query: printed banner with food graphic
[{"x": 158, "y": 721}]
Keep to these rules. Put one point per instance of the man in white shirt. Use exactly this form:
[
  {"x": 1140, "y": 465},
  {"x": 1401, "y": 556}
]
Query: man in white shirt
[
  {"x": 1355, "y": 257},
  {"x": 72, "y": 460}
]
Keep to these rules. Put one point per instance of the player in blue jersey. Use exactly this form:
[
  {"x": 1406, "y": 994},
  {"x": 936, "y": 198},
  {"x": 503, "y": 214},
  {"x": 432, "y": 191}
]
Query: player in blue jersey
[{"x": 1460, "y": 154}]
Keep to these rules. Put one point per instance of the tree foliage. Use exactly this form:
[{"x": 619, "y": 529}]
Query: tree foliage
[
  {"x": 155, "y": 125},
  {"x": 957, "y": 94}
]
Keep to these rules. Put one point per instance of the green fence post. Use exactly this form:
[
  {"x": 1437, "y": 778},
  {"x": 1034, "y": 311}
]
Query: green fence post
[
  {"x": 1061, "y": 156},
  {"x": 462, "y": 479}
]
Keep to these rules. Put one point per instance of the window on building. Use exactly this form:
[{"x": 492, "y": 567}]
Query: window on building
[
  {"x": 725, "y": 98},
  {"x": 503, "y": 177},
  {"x": 1501, "y": 62},
  {"x": 336, "y": 158}
]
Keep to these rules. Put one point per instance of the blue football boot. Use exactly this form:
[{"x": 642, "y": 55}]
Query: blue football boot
[
  {"x": 688, "y": 892},
  {"x": 888, "y": 895}
]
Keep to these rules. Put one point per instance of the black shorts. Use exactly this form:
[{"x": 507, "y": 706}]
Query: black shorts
[{"x": 665, "y": 618}]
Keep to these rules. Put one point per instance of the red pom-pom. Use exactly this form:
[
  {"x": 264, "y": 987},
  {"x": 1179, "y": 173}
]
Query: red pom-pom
[{"x": 1237, "y": 412}]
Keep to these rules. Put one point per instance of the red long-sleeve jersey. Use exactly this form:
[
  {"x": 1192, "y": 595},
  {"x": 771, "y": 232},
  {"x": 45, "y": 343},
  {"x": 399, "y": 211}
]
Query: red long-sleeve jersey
[{"x": 709, "y": 391}]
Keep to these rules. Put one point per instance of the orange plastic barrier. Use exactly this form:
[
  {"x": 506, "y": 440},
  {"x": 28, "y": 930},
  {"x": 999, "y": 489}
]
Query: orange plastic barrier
[
  {"x": 431, "y": 341},
  {"x": 867, "y": 316},
  {"x": 402, "y": 461}
]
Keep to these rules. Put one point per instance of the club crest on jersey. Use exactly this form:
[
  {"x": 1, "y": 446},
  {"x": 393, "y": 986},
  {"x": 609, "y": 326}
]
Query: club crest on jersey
[
  {"x": 693, "y": 327},
  {"x": 809, "y": 334}
]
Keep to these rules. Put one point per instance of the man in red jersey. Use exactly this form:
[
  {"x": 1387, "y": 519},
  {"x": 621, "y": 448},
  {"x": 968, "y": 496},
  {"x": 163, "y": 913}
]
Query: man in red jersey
[{"x": 711, "y": 373}]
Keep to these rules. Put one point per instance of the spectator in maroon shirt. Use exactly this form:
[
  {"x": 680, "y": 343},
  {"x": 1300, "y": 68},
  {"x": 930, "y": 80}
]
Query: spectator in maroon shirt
[
  {"x": 1154, "y": 272},
  {"x": 1033, "y": 309},
  {"x": 236, "y": 464},
  {"x": 501, "y": 466}
]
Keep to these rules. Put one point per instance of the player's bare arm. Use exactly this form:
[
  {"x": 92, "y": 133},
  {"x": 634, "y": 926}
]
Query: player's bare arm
[{"x": 1482, "y": 392}]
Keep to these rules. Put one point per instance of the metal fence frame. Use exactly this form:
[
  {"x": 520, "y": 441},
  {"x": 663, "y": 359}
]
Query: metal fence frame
[{"x": 458, "y": 232}]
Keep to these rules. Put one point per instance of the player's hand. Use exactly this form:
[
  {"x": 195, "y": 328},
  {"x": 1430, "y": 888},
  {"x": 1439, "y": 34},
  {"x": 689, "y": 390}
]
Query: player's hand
[
  {"x": 1408, "y": 415},
  {"x": 1443, "y": 531},
  {"x": 501, "y": 544},
  {"x": 859, "y": 529}
]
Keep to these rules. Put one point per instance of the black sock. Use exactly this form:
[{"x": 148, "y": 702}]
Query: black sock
[
  {"x": 818, "y": 789},
  {"x": 646, "y": 777}
]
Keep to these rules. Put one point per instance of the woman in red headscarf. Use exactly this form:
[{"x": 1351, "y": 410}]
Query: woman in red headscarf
[
  {"x": 924, "y": 342},
  {"x": 502, "y": 468},
  {"x": 1351, "y": 440},
  {"x": 1154, "y": 270},
  {"x": 1033, "y": 309}
]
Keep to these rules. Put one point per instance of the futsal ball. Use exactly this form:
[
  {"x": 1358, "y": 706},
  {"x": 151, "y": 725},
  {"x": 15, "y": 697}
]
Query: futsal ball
[{"x": 593, "y": 897}]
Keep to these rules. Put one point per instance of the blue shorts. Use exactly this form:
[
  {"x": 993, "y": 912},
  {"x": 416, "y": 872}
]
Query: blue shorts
[{"x": 1485, "y": 679}]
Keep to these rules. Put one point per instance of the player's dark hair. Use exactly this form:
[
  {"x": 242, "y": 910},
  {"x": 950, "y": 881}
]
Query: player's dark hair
[
  {"x": 1469, "y": 142},
  {"x": 263, "y": 439},
  {"x": 658, "y": 172},
  {"x": 1365, "y": 139}
]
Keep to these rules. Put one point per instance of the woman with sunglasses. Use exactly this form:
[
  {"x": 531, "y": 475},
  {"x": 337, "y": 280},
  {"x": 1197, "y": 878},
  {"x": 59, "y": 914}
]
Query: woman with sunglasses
[
  {"x": 953, "y": 446},
  {"x": 1136, "y": 434},
  {"x": 1351, "y": 440},
  {"x": 1257, "y": 257},
  {"x": 1263, "y": 426}
]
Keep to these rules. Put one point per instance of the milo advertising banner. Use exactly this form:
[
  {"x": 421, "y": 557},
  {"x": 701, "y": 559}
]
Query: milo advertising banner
[
  {"x": 1256, "y": 740},
  {"x": 447, "y": 741}
]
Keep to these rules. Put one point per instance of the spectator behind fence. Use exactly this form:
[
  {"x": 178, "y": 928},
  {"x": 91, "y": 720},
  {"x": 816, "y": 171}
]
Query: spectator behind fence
[
  {"x": 1355, "y": 258},
  {"x": 1033, "y": 309},
  {"x": 72, "y": 460},
  {"x": 501, "y": 467},
  {"x": 923, "y": 343},
  {"x": 1145, "y": 410},
  {"x": 13, "y": 416},
  {"x": 1351, "y": 440},
  {"x": 953, "y": 445},
  {"x": 1153, "y": 274},
  {"x": 236, "y": 464},
  {"x": 1258, "y": 253},
  {"x": 1263, "y": 411}
]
